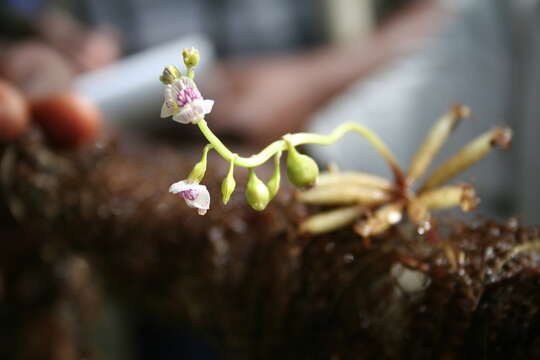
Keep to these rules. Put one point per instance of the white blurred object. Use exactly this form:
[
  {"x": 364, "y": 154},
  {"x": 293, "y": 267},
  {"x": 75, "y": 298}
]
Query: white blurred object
[{"x": 129, "y": 92}]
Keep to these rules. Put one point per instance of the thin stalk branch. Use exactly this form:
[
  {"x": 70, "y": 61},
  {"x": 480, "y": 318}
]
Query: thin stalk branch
[
  {"x": 331, "y": 220},
  {"x": 468, "y": 155},
  {"x": 332, "y": 195},
  {"x": 304, "y": 138},
  {"x": 355, "y": 178},
  {"x": 435, "y": 140}
]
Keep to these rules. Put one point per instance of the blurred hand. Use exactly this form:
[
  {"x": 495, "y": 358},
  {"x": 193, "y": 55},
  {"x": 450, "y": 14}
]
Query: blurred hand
[
  {"x": 85, "y": 49},
  {"x": 262, "y": 100},
  {"x": 35, "y": 69}
]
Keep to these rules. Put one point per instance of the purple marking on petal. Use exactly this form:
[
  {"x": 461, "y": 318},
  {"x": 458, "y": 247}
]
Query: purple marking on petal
[
  {"x": 181, "y": 98},
  {"x": 189, "y": 194},
  {"x": 188, "y": 95}
]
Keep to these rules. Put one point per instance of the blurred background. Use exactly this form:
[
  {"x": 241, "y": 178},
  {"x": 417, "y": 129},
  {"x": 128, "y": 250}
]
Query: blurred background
[{"x": 281, "y": 66}]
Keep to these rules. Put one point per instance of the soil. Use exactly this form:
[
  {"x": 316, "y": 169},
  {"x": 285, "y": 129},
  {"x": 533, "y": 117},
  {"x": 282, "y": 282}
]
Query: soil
[{"x": 100, "y": 219}]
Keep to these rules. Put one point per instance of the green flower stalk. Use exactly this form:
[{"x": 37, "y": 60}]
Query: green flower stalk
[
  {"x": 184, "y": 102},
  {"x": 373, "y": 204},
  {"x": 274, "y": 182},
  {"x": 199, "y": 169}
]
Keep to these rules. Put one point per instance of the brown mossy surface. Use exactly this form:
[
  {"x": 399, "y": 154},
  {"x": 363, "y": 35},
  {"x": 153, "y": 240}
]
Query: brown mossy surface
[{"x": 247, "y": 279}]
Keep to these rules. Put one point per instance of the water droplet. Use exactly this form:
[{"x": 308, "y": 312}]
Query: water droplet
[{"x": 329, "y": 247}]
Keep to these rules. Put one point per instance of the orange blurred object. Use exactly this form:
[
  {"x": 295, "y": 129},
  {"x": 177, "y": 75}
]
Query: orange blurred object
[
  {"x": 14, "y": 112},
  {"x": 67, "y": 118}
]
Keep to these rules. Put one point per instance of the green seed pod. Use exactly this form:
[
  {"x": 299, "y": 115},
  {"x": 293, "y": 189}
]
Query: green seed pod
[
  {"x": 227, "y": 188},
  {"x": 302, "y": 170},
  {"x": 257, "y": 194},
  {"x": 170, "y": 73},
  {"x": 199, "y": 169},
  {"x": 228, "y": 185},
  {"x": 191, "y": 57},
  {"x": 273, "y": 183}
]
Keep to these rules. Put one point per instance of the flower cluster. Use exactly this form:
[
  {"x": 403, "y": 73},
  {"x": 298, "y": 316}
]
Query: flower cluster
[
  {"x": 184, "y": 102},
  {"x": 370, "y": 202}
]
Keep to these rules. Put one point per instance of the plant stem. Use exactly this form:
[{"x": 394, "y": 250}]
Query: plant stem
[
  {"x": 467, "y": 156},
  {"x": 435, "y": 140},
  {"x": 299, "y": 139}
]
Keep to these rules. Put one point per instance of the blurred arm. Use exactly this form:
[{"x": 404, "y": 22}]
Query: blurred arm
[{"x": 266, "y": 98}]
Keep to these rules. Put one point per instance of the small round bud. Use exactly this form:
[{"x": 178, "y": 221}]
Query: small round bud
[
  {"x": 302, "y": 170},
  {"x": 170, "y": 73},
  {"x": 257, "y": 195},
  {"x": 191, "y": 57},
  {"x": 228, "y": 185}
]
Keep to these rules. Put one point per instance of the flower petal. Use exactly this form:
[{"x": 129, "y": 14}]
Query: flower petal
[
  {"x": 184, "y": 82},
  {"x": 180, "y": 186},
  {"x": 186, "y": 115},
  {"x": 205, "y": 106},
  {"x": 169, "y": 107},
  {"x": 202, "y": 201},
  {"x": 168, "y": 110}
]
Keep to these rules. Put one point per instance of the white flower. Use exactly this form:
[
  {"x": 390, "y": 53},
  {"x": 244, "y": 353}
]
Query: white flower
[
  {"x": 184, "y": 102},
  {"x": 195, "y": 195}
]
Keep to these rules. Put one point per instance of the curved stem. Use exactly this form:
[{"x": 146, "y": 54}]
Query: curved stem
[
  {"x": 303, "y": 138},
  {"x": 206, "y": 149},
  {"x": 198, "y": 171}
]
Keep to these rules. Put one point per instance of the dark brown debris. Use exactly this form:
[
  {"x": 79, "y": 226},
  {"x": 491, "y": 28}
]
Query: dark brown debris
[{"x": 101, "y": 219}]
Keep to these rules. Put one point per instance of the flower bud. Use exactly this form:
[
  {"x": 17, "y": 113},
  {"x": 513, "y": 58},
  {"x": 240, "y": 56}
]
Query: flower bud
[
  {"x": 273, "y": 183},
  {"x": 228, "y": 185},
  {"x": 301, "y": 169},
  {"x": 191, "y": 57},
  {"x": 198, "y": 172},
  {"x": 170, "y": 73},
  {"x": 257, "y": 194},
  {"x": 199, "y": 169}
]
